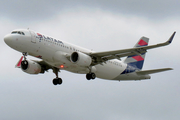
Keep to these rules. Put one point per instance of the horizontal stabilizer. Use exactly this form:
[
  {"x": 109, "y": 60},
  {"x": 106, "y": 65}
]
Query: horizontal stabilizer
[{"x": 146, "y": 72}]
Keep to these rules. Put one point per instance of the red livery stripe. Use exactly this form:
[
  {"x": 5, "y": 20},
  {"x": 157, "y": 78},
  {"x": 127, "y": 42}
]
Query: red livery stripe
[
  {"x": 138, "y": 58},
  {"x": 19, "y": 63},
  {"x": 39, "y": 34},
  {"x": 142, "y": 43}
]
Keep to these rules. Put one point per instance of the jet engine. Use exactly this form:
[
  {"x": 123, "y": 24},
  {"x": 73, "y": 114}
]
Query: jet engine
[
  {"x": 80, "y": 59},
  {"x": 30, "y": 67}
]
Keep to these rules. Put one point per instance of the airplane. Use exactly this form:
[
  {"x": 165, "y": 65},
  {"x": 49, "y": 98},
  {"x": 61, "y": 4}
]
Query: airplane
[{"x": 59, "y": 55}]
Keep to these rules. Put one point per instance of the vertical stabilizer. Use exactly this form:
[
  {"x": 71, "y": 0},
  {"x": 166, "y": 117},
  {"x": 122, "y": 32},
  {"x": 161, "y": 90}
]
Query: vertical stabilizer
[{"x": 138, "y": 60}]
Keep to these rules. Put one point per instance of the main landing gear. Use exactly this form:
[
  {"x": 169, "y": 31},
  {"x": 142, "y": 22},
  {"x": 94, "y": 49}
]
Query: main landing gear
[
  {"x": 57, "y": 80},
  {"x": 90, "y": 76}
]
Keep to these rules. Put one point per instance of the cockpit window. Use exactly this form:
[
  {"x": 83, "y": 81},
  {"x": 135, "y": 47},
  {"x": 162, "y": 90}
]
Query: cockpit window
[
  {"x": 17, "y": 32},
  {"x": 14, "y": 32}
]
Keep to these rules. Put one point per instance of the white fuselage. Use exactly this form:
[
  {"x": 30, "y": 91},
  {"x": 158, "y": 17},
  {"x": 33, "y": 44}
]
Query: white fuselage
[{"x": 56, "y": 52}]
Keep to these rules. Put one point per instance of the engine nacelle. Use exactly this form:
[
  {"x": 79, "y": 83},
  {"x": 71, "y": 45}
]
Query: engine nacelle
[
  {"x": 80, "y": 59},
  {"x": 30, "y": 67}
]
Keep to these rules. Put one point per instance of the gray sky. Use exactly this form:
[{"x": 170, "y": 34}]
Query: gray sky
[
  {"x": 37, "y": 10},
  {"x": 100, "y": 25}
]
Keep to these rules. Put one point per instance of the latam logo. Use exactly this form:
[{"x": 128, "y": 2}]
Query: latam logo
[{"x": 41, "y": 37}]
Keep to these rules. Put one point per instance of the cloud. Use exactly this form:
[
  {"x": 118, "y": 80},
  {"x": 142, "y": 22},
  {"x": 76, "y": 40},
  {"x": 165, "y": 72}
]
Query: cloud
[
  {"x": 34, "y": 96},
  {"x": 33, "y": 11}
]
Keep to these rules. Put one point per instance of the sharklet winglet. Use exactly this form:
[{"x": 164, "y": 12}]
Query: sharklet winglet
[
  {"x": 171, "y": 38},
  {"x": 18, "y": 65}
]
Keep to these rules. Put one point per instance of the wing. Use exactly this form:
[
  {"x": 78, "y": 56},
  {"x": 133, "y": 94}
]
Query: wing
[
  {"x": 44, "y": 65},
  {"x": 100, "y": 57}
]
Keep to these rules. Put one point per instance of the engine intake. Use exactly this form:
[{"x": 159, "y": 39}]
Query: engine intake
[
  {"x": 30, "y": 67},
  {"x": 80, "y": 59}
]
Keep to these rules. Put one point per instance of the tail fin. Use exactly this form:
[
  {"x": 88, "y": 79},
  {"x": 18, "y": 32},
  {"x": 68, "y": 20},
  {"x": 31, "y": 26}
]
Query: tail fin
[{"x": 137, "y": 60}]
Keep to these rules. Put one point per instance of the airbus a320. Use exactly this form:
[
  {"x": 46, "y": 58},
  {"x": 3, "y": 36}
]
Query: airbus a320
[{"x": 59, "y": 55}]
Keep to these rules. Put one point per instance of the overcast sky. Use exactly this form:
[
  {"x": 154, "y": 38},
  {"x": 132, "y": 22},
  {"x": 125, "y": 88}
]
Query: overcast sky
[{"x": 100, "y": 25}]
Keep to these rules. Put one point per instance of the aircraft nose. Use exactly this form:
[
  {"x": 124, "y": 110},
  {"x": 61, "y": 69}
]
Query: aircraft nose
[{"x": 8, "y": 39}]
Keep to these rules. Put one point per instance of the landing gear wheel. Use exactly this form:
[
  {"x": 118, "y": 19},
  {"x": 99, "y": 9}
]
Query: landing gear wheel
[
  {"x": 93, "y": 76},
  {"x": 57, "y": 81},
  {"x": 90, "y": 76}
]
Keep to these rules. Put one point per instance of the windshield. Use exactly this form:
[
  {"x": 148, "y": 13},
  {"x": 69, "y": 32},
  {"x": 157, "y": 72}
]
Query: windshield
[{"x": 17, "y": 32}]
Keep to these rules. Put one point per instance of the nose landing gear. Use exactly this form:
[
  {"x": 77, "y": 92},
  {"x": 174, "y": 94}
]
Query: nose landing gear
[{"x": 25, "y": 54}]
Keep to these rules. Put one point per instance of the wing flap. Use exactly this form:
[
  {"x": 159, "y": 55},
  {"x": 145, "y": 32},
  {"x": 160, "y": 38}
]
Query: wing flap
[{"x": 146, "y": 72}]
